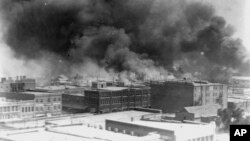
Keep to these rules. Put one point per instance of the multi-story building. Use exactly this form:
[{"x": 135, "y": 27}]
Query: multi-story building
[
  {"x": 174, "y": 95},
  {"x": 9, "y": 110},
  {"x": 101, "y": 99},
  {"x": 34, "y": 104},
  {"x": 22, "y": 84}
]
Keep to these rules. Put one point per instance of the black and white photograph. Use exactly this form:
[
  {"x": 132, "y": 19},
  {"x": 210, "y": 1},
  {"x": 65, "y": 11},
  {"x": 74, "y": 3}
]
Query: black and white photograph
[{"x": 124, "y": 70}]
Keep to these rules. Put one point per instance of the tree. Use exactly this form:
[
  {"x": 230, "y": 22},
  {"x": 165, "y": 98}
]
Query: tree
[{"x": 229, "y": 116}]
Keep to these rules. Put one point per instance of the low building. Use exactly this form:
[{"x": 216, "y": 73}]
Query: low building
[
  {"x": 167, "y": 130},
  {"x": 102, "y": 99},
  {"x": 240, "y": 102},
  {"x": 173, "y": 95},
  {"x": 37, "y": 103},
  {"x": 205, "y": 113}
]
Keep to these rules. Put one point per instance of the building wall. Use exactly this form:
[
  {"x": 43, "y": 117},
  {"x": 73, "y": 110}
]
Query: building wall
[
  {"x": 74, "y": 103},
  {"x": 46, "y": 105},
  {"x": 210, "y": 94},
  {"x": 9, "y": 111},
  {"x": 5, "y": 87},
  {"x": 107, "y": 101},
  {"x": 27, "y": 109},
  {"x": 171, "y": 97},
  {"x": 137, "y": 130}
]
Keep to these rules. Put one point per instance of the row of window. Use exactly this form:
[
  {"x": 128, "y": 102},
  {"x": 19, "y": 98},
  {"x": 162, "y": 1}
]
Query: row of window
[
  {"x": 122, "y": 100},
  {"x": 207, "y": 138},
  {"x": 48, "y": 99},
  {"x": 9, "y": 109},
  {"x": 8, "y": 116},
  {"x": 48, "y": 108},
  {"x": 27, "y": 109}
]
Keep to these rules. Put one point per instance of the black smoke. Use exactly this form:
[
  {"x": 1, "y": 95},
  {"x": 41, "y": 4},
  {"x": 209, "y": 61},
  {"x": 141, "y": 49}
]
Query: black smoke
[{"x": 139, "y": 36}]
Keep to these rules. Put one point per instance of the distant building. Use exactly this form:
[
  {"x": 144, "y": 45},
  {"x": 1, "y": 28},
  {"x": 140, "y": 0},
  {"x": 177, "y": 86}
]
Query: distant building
[
  {"x": 240, "y": 102},
  {"x": 102, "y": 99},
  {"x": 205, "y": 113},
  {"x": 5, "y": 85},
  {"x": 22, "y": 84},
  {"x": 173, "y": 96},
  {"x": 240, "y": 85},
  {"x": 60, "y": 80}
]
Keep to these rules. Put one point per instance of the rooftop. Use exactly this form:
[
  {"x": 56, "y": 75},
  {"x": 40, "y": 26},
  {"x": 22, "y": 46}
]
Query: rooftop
[
  {"x": 72, "y": 133},
  {"x": 39, "y": 93},
  {"x": 203, "y": 111},
  {"x": 236, "y": 100},
  {"x": 179, "y": 129},
  {"x": 186, "y": 82},
  {"x": 241, "y": 77}
]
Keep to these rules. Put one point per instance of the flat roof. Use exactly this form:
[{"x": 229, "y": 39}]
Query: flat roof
[
  {"x": 179, "y": 129},
  {"x": 72, "y": 133},
  {"x": 97, "y": 120},
  {"x": 241, "y": 77},
  {"x": 39, "y": 93},
  {"x": 114, "y": 88},
  {"x": 236, "y": 100}
]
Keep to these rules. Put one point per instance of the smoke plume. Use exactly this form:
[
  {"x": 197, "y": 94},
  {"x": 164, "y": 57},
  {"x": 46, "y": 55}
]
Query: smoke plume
[{"x": 133, "y": 39}]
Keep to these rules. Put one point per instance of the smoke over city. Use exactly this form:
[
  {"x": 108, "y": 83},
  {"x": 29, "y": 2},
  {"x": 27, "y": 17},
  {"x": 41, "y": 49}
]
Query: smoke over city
[{"x": 131, "y": 39}]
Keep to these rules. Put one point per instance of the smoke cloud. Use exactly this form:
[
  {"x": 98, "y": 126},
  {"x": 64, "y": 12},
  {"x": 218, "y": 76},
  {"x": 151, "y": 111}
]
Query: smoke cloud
[{"x": 130, "y": 39}]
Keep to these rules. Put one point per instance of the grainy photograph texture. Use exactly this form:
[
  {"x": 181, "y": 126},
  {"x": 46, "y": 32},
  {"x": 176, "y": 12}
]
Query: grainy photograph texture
[{"x": 132, "y": 70}]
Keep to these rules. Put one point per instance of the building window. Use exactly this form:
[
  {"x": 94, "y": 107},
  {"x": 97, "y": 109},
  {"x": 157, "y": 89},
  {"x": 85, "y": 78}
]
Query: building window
[
  {"x": 55, "y": 99},
  {"x": 41, "y": 100},
  {"x": 59, "y": 99},
  {"x": 48, "y": 99},
  {"x": 37, "y": 101}
]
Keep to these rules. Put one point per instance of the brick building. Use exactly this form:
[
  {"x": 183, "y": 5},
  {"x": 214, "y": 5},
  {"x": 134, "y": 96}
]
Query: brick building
[
  {"x": 173, "y": 96},
  {"x": 101, "y": 99}
]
